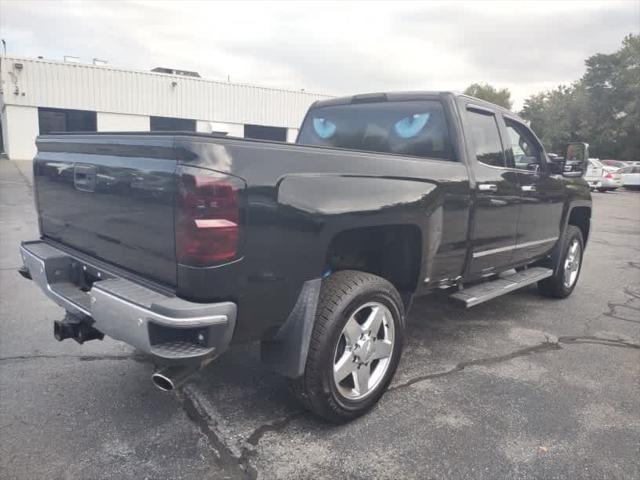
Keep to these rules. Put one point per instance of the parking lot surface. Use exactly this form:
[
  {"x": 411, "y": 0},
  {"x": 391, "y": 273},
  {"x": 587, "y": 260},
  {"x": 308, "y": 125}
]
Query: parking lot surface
[{"x": 520, "y": 387}]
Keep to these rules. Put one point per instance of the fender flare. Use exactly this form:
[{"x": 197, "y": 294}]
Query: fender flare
[{"x": 551, "y": 261}]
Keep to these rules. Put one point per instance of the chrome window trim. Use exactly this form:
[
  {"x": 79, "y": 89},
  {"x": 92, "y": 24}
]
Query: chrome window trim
[{"x": 493, "y": 251}]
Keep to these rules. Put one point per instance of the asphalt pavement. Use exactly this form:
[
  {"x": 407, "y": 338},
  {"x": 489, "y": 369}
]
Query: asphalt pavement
[{"x": 520, "y": 387}]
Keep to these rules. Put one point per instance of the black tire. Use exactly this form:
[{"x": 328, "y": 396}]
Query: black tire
[
  {"x": 342, "y": 294},
  {"x": 555, "y": 286},
  {"x": 602, "y": 190}
]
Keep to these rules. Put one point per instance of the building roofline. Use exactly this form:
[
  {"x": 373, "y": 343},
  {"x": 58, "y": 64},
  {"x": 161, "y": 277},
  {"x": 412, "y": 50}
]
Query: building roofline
[{"x": 150, "y": 73}]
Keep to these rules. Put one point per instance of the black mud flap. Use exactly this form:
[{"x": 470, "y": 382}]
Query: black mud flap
[
  {"x": 552, "y": 260},
  {"x": 286, "y": 353}
]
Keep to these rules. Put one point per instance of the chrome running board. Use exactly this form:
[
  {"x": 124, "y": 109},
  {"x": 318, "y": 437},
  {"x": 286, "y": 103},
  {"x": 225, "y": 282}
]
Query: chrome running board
[{"x": 482, "y": 292}]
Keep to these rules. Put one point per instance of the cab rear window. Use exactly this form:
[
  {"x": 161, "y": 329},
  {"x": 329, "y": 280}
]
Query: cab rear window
[{"x": 416, "y": 128}]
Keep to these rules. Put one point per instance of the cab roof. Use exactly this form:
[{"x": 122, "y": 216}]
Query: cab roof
[{"x": 407, "y": 96}]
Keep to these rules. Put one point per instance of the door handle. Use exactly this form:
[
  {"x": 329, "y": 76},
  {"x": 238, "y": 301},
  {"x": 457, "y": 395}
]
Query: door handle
[
  {"x": 528, "y": 188},
  {"x": 487, "y": 187},
  {"x": 84, "y": 177}
]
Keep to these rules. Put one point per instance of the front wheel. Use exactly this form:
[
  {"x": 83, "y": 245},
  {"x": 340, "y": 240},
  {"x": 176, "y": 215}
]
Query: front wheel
[
  {"x": 355, "y": 346},
  {"x": 565, "y": 278}
]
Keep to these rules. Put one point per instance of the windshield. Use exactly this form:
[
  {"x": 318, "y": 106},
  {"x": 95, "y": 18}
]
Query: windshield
[{"x": 416, "y": 128}]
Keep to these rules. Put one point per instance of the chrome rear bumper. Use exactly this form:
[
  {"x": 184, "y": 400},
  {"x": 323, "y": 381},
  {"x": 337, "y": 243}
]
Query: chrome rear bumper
[{"x": 165, "y": 326}]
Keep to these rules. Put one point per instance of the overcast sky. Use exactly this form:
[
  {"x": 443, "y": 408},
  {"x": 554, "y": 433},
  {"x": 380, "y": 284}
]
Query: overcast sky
[{"x": 333, "y": 48}]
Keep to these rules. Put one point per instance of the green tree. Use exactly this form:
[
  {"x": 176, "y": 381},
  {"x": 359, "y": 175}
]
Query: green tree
[
  {"x": 612, "y": 83},
  {"x": 557, "y": 116},
  {"x": 602, "y": 108},
  {"x": 487, "y": 92}
]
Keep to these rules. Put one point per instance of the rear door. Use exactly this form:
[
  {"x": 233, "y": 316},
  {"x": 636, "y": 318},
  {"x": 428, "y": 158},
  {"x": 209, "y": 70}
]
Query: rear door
[
  {"x": 542, "y": 193},
  {"x": 495, "y": 217},
  {"x": 111, "y": 197}
]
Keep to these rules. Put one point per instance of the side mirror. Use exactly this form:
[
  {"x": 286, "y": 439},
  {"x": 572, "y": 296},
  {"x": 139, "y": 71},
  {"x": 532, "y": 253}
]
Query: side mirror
[
  {"x": 576, "y": 160},
  {"x": 555, "y": 167}
]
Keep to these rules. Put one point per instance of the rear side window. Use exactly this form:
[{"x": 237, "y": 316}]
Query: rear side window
[
  {"x": 486, "y": 138},
  {"x": 407, "y": 128}
]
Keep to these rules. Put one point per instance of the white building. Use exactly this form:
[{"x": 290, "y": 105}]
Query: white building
[{"x": 41, "y": 96}]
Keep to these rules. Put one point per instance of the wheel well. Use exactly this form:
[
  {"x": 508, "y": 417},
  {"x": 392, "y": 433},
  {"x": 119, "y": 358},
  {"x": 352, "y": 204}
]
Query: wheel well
[
  {"x": 581, "y": 218},
  {"x": 392, "y": 252}
]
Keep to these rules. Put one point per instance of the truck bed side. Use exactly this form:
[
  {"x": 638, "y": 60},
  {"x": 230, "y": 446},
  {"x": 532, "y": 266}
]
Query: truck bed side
[{"x": 300, "y": 199}]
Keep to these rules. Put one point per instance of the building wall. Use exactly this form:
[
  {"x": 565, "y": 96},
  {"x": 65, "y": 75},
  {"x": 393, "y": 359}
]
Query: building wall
[
  {"x": 117, "y": 122},
  {"x": 44, "y": 83},
  {"x": 126, "y": 99},
  {"x": 19, "y": 130}
]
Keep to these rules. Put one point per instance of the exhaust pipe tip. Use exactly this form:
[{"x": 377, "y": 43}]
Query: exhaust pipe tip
[
  {"x": 171, "y": 377},
  {"x": 163, "y": 382}
]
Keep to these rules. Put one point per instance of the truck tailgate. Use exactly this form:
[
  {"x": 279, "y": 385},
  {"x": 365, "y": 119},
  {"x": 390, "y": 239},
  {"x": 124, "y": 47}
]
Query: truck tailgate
[{"x": 112, "y": 198}]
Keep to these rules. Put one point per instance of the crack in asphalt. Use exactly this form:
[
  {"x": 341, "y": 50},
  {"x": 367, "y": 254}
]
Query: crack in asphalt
[
  {"x": 238, "y": 465},
  {"x": 540, "y": 348},
  {"x": 608, "y": 243},
  {"x": 254, "y": 438},
  {"x": 275, "y": 426},
  {"x": 614, "y": 307},
  {"x": 241, "y": 464},
  {"x": 82, "y": 358},
  {"x": 631, "y": 293},
  {"x": 593, "y": 340}
]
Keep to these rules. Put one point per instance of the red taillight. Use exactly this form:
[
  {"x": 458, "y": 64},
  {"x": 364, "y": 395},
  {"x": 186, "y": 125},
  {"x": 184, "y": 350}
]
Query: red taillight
[
  {"x": 207, "y": 217},
  {"x": 608, "y": 175}
]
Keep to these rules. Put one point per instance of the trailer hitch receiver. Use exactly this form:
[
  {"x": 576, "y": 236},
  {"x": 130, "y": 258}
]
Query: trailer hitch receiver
[{"x": 76, "y": 327}]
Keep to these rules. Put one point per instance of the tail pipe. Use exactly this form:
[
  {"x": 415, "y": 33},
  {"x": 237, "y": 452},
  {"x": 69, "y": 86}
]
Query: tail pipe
[{"x": 171, "y": 377}]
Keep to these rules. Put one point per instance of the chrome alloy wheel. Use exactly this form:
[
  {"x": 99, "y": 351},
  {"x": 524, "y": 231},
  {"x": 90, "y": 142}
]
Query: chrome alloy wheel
[
  {"x": 363, "y": 354},
  {"x": 572, "y": 263}
]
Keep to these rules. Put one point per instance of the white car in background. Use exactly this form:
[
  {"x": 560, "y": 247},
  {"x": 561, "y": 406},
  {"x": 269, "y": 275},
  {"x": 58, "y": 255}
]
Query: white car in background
[
  {"x": 602, "y": 177},
  {"x": 630, "y": 177},
  {"x": 614, "y": 163},
  {"x": 594, "y": 173}
]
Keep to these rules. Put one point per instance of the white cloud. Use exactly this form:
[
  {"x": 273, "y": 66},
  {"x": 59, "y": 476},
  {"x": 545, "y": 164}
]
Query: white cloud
[{"x": 338, "y": 48}]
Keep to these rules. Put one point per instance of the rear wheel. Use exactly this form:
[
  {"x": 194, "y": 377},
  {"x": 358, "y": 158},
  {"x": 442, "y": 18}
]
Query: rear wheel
[
  {"x": 562, "y": 283},
  {"x": 355, "y": 346}
]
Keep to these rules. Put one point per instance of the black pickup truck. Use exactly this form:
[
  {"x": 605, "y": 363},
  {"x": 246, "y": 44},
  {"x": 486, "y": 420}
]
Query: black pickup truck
[{"x": 182, "y": 244}]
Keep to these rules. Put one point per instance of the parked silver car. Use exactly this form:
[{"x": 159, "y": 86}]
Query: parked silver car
[{"x": 602, "y": 177}]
